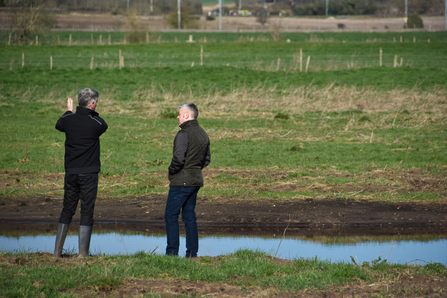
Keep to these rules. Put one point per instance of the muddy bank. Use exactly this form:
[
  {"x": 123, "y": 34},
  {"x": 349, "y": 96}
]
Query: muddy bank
[{"x": 232, "y": 217}]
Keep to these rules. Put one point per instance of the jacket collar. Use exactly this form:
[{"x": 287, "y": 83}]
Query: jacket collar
[
  {"x": 188, "y": 123},
  {"x": 82, "y": 110}
]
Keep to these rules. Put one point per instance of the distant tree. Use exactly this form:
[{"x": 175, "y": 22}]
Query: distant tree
[
  {"x": 262, "y": 16},
  {"x": 28, "y": 18},
  {"x": 414, "y": 21},
  {"x": 187, "y": 20},
  {"x": 167, "y": 6}
]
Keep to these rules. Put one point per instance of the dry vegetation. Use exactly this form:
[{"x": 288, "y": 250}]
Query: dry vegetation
[{"x": 242, "y": 101}]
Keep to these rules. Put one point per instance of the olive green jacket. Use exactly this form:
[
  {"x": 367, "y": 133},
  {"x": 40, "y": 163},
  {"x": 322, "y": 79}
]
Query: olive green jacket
[{"x": 191, "y": 154}]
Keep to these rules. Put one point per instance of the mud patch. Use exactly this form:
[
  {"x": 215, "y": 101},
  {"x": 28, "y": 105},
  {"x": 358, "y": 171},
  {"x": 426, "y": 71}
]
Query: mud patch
[{"x": 404, "y": 286}]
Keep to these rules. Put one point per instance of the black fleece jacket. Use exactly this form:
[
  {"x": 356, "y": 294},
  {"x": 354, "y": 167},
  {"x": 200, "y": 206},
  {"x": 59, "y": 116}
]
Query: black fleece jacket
[{"x": 82, "y": 130}]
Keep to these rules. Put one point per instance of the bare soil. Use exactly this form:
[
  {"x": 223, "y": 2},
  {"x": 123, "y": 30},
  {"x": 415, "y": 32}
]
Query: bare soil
[
  {"x": 108, "y": 22},
  {"x": 232, "y": 216}
]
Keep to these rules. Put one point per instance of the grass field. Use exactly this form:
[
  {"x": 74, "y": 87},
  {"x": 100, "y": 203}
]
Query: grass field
[
  {"x": 327, "y": 124},
  {"x": 253, "y": 51},
  {"x": 353, "y": 132},
  {"x": 216, "y": 2}
]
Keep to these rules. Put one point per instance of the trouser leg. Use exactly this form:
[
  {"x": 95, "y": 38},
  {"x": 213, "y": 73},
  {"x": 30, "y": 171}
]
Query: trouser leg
[
  {"x": 88, "y": 184},
  {"x": 72, "y": 193},
  {"x": 61, "y": 233},
  {"x": 172, "y": 211},
  {"x": 189, "y": 218}
]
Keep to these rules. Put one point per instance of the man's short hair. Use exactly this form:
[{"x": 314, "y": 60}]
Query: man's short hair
[
  {"x": 192, "y": 109},
  {"x": 86, "y": 96}
]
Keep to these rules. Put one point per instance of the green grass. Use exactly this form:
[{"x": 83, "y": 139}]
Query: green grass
[
  {"x": 94, "y": 38},
  {"x": 337, "y": 128},
  {"x": 258, "y": 54},
  {"x": 216, "y": 2},
  {"x": 31, "y": 275}
]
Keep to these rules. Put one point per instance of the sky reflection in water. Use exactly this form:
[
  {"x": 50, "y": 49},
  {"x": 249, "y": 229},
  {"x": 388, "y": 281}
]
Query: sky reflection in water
[{"x": 405, "y": 251}]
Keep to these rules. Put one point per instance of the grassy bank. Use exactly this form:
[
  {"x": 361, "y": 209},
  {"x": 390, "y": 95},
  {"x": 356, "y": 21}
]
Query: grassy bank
[{"x": 240, "y": 274}]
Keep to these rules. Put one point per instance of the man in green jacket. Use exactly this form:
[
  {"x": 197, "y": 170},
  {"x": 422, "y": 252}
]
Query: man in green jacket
[{"x": 190, "y": 155}]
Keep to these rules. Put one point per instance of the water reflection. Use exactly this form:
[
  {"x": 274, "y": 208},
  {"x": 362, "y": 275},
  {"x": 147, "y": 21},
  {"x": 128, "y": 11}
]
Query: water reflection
[{"x": 398, "y": 250}]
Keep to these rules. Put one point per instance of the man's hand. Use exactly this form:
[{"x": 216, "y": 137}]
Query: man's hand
[{"x": 70, "y": 104}]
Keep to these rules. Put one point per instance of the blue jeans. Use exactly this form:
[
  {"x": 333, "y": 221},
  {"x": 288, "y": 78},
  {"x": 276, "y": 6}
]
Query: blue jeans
[
  {"x": 83, "y": 187},
  {"x": 182, "y": 198}
]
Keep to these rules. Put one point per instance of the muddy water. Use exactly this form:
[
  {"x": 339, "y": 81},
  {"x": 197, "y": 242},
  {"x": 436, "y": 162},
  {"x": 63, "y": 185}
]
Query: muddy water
[{"x": 397, "y": 249}]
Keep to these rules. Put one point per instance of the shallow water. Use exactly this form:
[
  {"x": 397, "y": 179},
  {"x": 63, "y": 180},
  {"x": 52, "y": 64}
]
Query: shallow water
[{"x": 399, "y": 250}]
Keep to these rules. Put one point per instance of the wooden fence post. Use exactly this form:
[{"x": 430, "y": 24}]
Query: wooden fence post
[
  {"x": 301, "y": 60},
  {"x": 201, "y": 55},
  {"x": 278, "y": 64},
  {"x": 119, "y": 58},
  {"x": 92, "y": 62},
  {"x": 380, "y": 59},
  {"x": 51, "y": 62},
  {"x": 307, "y": 64},
  {"x": 69, "y": 40},
  {"x": 23, "y": 59}
]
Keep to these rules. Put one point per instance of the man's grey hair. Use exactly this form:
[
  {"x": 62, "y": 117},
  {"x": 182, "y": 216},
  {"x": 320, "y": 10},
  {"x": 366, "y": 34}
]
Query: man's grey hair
[
  {"x": 86, "y": 96},
  {"x": 191, "y": 108}
]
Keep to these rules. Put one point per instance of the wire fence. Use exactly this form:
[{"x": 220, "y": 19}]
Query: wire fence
[{"x": 301, "y": 60}]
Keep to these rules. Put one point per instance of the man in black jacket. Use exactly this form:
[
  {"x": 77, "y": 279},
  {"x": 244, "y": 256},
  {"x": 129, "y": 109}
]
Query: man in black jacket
[
  {"x": 82, "y": 165},
  {"x": 190, "y": 155}
]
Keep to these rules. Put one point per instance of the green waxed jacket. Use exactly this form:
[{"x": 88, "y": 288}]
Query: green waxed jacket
[{"x": 191, "y": 154}]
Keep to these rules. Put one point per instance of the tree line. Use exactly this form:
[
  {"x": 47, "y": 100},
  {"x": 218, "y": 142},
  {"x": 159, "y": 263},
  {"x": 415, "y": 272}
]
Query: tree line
[
  {"x": 142, "y": 7},
  {"x": 381, "y": 8},
  {"x": 366, "y": 7}
]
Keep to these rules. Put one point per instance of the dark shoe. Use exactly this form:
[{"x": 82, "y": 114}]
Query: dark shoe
[
  {"x": 61, "y": 233},
  {"x": 85, "y": 233}
]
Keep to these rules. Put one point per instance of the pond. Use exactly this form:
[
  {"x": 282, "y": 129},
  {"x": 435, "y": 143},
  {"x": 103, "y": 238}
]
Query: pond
[{"x": 396, "y": 249}]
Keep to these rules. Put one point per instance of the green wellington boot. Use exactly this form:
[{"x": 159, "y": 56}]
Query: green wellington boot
[
  {"x": 85, "y": 233},
  {"x": 61, "y": 233}
]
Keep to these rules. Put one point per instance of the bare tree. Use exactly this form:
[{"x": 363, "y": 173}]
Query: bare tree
[
  {"x": 262, "y": 16},
  {"x": 28, "y": 18}
]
